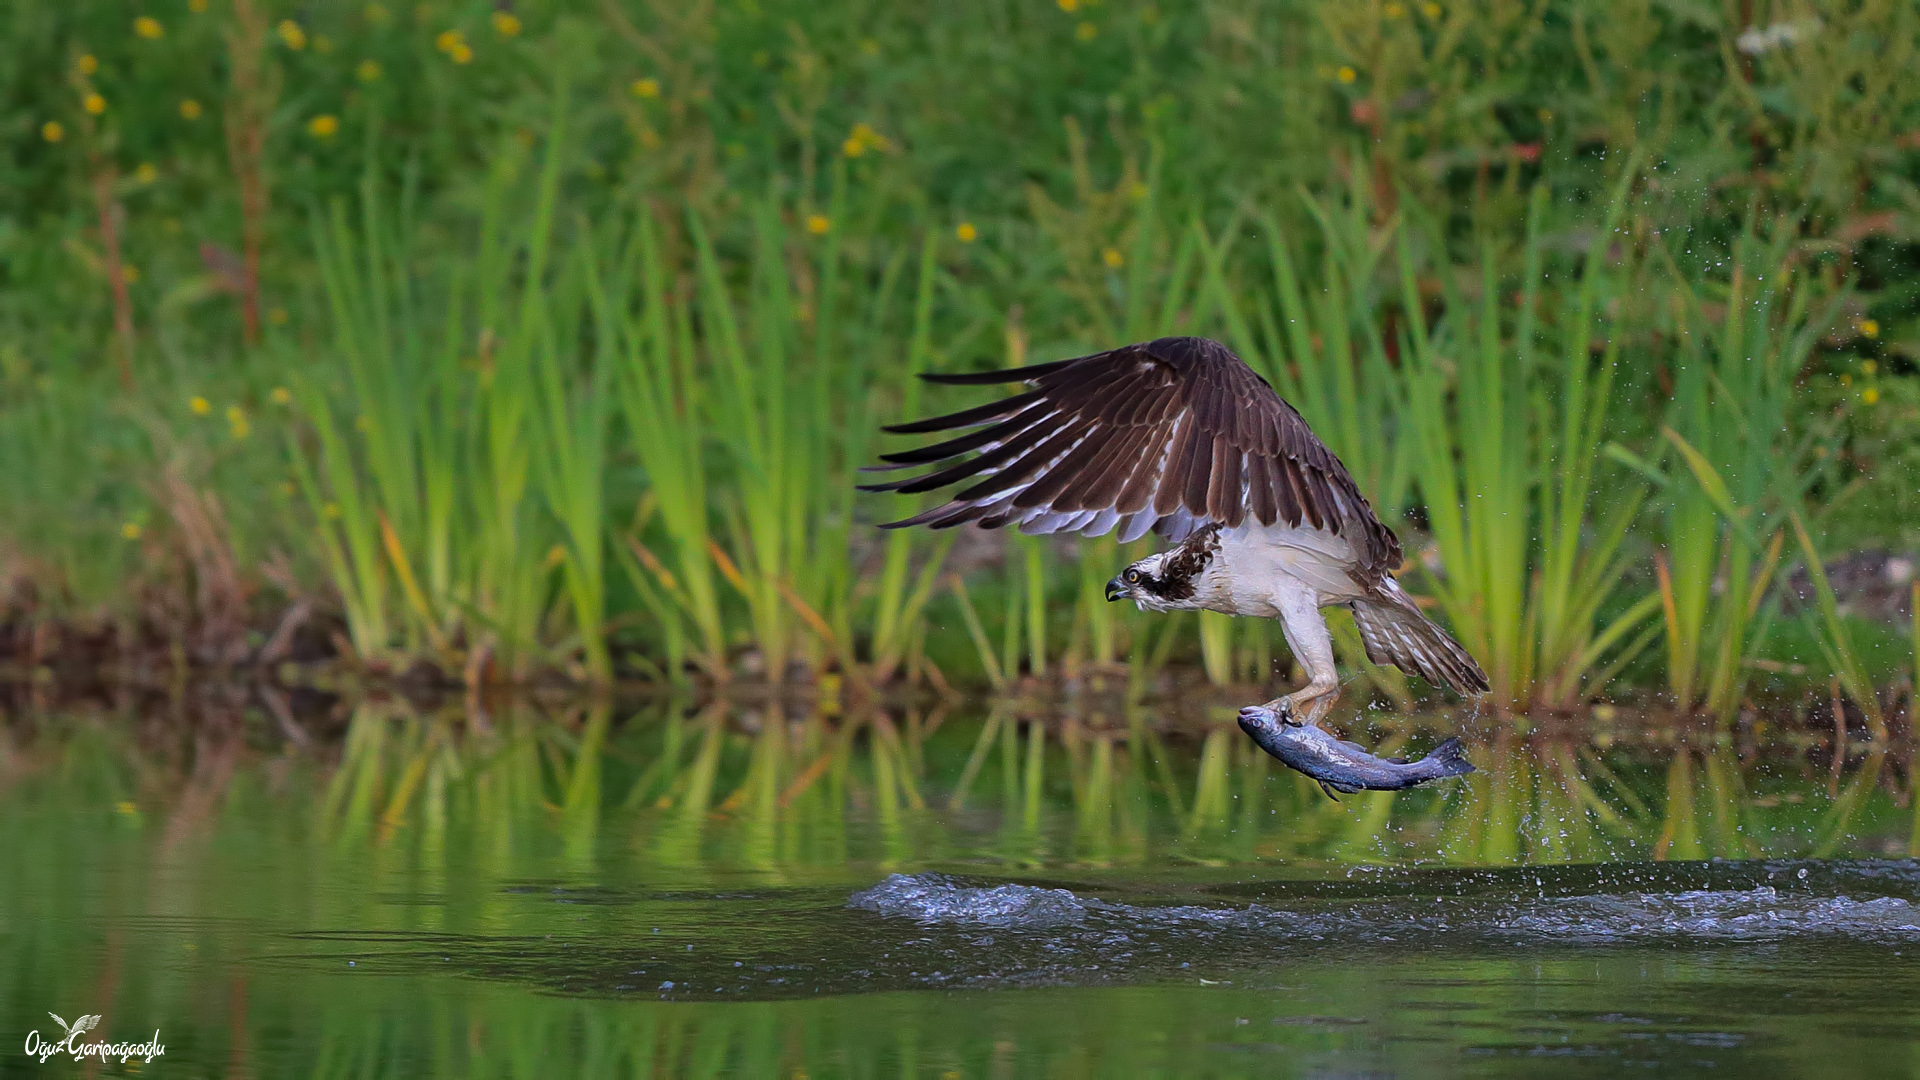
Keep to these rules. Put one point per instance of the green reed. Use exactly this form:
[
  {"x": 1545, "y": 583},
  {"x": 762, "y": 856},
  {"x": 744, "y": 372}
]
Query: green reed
[
  {"x": 471, "y": 467},
  {"x": 1511, "y": 423},
  {"x": 1741, "y": 468},
  {"x": 1835, "y": 638},
  {"x": 662, "y": 400}
]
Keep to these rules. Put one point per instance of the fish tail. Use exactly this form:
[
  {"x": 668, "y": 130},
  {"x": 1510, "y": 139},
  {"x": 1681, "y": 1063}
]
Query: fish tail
[{"x": 1448, "y": 759}]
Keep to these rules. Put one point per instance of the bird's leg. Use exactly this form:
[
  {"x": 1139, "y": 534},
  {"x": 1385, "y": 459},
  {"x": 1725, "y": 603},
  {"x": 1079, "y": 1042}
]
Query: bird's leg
[{"x": 1306, "y": 632}]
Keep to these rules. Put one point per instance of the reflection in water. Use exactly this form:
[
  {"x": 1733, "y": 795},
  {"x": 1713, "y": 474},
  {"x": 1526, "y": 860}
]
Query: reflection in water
[{"x": 413, "y": 888}]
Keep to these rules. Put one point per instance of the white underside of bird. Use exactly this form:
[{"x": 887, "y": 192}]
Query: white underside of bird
[{"x": 1291, "y": 574}]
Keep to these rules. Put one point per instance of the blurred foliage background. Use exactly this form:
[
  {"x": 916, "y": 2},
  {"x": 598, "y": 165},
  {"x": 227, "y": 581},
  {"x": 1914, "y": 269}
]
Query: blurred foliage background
[{"x": 546, "y": 336}]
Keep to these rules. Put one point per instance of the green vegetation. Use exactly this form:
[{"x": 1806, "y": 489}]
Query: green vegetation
[{"x": 547, "y": 339}]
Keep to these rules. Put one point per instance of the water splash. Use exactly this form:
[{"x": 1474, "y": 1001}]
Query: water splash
[
  {"x": 1755, "y": 915},
  {"x": 1759, "y": 914},
  {"x": 936, "y": 898}
]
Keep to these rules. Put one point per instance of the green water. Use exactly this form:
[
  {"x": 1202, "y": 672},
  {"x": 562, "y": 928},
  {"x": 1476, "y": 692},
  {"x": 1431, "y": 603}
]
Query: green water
[{"x": 597, "y": 893}]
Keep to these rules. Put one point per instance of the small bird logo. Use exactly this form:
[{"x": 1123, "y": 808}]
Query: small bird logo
[{"x": 78, "y": 1027}]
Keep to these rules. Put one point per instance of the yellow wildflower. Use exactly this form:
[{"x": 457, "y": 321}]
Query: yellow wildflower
[
  {"x": 149, "y": 27},
  {"x": 291, "y": 34},
  {"x": 87, "y": 64},
  {"x": 966, "y": 232},
  {"x": 1870, "y": 395},
  {"x": 368, "y": 71},
  {"x": 280, "y": 395},
  {"x": 324, "y": 126},
  {"x": 277, "y": 316},
  {"x": 1846, "y": 380},
  {"x": 131, "y": 530},
  {"x": 818, "y": 224},
  {"x": 199, "y": 405},
  {"x": 1394, "y": 11},
  {"x": 1869, "y": 328},
  {"x": 190, "y": 109},
  {"x": 52, "y": 131},
  {"x": 862, "y": 139},
  {"x": 646, "y": 88},
  {"x": 1113, "y": 258},
  {"x": 1869, "y": 366},
  {"x": 1346, "y": 74},
  {"x": 237, "y": 422},
  {"x": 126, "y": 807},
  {"x": 146, "y": 173},
  {"x": 460, "y": 53},
  {"x": 1430, "y": 10},
  {"x": 198, "y": 7},
  {"x": 506, "y": 23},
  {"x": 1068, "y": 6},
  {"x": 129, "y": 273},
  {"x": 1086, "y": 31},
  {"x": 94, "y": 104}
]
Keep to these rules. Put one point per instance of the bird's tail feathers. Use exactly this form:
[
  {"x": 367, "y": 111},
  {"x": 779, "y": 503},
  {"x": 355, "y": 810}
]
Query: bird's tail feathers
[{"x": 1395, "y": 631}]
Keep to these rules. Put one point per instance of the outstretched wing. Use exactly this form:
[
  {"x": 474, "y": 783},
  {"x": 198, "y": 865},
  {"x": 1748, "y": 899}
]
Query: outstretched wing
[
  {"x": 64, "y": 1026},
  {"x": 87, "y": 1023},
  {"x": 1167, "y": 435}
]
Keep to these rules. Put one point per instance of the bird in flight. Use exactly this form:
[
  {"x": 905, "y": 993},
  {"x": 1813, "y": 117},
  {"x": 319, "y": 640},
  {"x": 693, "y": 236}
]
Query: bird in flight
[{"x": 1180, "y": 437}]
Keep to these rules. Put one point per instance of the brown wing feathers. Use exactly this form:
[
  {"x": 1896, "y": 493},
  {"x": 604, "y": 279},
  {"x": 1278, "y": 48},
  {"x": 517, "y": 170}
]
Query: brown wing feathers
[{"x": 1171, "y": 433}]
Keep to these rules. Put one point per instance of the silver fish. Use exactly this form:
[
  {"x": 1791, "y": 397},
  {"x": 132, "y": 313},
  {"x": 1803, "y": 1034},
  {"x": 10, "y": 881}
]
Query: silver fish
[{"x": 1343, "y": 766}]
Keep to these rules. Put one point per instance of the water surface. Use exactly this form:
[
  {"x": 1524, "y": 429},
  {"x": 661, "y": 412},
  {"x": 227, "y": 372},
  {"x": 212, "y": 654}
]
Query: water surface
[{"x": 725, "y": 892}]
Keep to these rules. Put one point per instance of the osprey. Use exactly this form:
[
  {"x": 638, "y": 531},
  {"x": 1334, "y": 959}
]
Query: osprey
[{"x": 1180, "y": 437}]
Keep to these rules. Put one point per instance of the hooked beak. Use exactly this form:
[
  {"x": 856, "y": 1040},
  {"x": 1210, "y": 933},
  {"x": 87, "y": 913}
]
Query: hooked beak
[{"x": 1115, "y": 590}]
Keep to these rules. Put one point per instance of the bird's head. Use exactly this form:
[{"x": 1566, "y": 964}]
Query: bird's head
[{"x": 1148, "y": 584}]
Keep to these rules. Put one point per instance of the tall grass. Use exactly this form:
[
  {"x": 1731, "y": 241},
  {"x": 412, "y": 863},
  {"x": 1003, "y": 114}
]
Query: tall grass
[
  {"x": 1735, "y": 480},
  {"x": 1511, "y": 416},
  {"x": 662, "y": 399},
  {"x": 455, "y": 418}
]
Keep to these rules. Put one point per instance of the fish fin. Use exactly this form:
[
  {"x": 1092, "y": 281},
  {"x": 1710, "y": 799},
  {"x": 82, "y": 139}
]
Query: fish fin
[{"x": 1451, "y": 759}]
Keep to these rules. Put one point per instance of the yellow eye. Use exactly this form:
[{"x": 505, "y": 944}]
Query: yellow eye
[{"x": 1131, "y": 577}]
